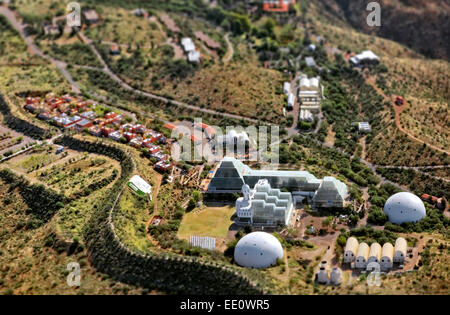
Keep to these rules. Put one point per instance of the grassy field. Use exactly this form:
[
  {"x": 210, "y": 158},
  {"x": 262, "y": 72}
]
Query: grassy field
[
  {"x": 210, "y": 221},
  {"x": 131, "y": 218},
  {"x": 123, "y": 27}
]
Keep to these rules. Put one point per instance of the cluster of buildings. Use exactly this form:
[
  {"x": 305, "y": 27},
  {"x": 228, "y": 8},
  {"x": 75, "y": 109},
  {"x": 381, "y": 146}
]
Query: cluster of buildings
[
  {"x": 189, "y": 48},
  {"x": 72, "y": 113},
  {"x": 439, "y": 203},
  {"x": 267, "y": 205},
  {"x": 360, "y": 255},
  {"x": 309, "y": 97}
]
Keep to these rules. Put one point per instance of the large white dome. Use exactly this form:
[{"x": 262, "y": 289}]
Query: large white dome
[
  {"x": 258, "y": 250},
  {"x": 404, "y": 207}
]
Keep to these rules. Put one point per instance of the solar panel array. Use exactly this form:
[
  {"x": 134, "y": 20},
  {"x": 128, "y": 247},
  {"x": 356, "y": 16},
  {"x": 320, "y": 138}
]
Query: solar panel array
[{"x": 204, "y": 242}]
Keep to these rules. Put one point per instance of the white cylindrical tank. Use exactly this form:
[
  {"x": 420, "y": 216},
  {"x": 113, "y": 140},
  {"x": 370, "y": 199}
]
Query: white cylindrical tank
[
  {"x": 336, "y": 276},
  {"x": 322, "y": 275},
  {"x": 404, "y": 207},
  {"x": 258, "y": 250}
]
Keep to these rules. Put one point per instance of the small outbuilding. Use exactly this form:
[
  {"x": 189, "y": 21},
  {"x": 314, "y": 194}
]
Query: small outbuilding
[
  {"x": 400, "y": 250},
  {"x": 351, "y": 249},
  {"x": 387, "y": 256},
  {"x": 140, "y": 186}
]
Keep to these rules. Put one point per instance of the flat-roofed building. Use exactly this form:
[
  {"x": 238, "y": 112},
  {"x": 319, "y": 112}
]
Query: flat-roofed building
[{"x": 309, "y": 93}]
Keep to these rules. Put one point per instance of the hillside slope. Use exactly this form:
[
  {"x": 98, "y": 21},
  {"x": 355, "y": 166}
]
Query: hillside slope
[{"x": 406, "y": 21}]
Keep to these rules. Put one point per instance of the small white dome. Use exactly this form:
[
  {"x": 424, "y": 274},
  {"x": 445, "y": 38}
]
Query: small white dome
[
  {"x": 258, "y": 250},
  {"x": 404, "y": 207}
]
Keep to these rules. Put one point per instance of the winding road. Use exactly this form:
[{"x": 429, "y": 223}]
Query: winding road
[{"x": 62, "y": 66}]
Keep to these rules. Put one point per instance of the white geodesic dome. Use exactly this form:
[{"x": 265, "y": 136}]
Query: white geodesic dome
[
  {"x": 258, "y": 250},
  {"x": 404, "y": 207}
]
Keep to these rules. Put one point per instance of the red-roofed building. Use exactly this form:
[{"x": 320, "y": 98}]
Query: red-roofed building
[
  {"x": 110, "y": 115},
  {"x": 277, "y": 5},
  {"x": 153, "y": 149},
  {"x": 163, "y": 166},
  {"x": 129, "y": 136},
  {"x": 107, "y": 131},
  {"x": 170, "y": 126}
]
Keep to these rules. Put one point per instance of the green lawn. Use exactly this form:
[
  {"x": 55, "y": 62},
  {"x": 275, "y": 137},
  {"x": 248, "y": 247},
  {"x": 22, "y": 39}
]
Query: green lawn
[{"x": 211, "y": 221}]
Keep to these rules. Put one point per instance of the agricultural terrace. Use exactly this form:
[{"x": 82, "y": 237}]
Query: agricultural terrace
[
  {"x": 35, "y": 258},
  {"x": 206, "y": 221}
]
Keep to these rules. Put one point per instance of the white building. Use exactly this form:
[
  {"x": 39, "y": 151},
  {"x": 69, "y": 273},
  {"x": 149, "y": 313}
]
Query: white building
[
  {"x": 258, "y": 250},
  {"x": 235, "y": 141},
  {"x": 264, "y": 205},
  {"x": 291, "y": 101},
  {"x": 189, "y": 49},
  {"x": 194, "y": 56},
  {"x": 363, "y": 127},
  {"x": 365, "y": 57},
  {"x": 286, "y": 88},
  {"x": 362, "y": 256},
  {"x": 306, "y": 115},
  {"x": 387, "y": 256},
  {"x": 404, "y": 207},
  {"x": 351, "y": 249},
  {"x": 140, "y": 186},
  {"x": 400, "y": 250},
  {"x": 309, "y": 94},
  {"x": 188, "y": 44}
]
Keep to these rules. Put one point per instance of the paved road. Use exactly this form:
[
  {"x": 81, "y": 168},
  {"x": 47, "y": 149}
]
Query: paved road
[
  {"x": 62, "y": 66},
  {"x": 125, "y": 85},
  {"x": 35, "y": 50},
  {"x": 230, "y": 51}
]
